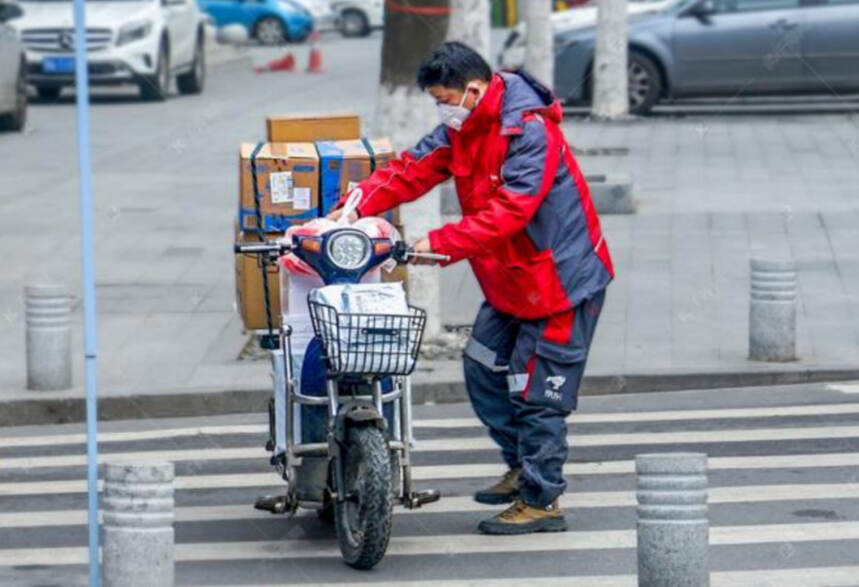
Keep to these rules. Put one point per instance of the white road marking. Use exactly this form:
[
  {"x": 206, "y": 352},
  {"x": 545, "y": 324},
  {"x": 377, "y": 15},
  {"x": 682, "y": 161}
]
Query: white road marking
[
  {"x": 455, "y": 444},
  {"x": 670, "y": 415},
  {"x": 844, "y": 387},
  {"x": 451, "y": 544},
  {"x": 807, "y": 577},
  {"x": 656, "y": 416},
  {"x": 571, "y": 500},
  {"x": 467, "y": 471}
]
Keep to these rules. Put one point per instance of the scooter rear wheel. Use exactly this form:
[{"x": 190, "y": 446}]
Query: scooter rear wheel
[{"x": 364, "y": 517}]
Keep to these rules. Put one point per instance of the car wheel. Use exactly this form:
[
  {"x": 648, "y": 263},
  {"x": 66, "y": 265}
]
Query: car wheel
[
  {"x": 192, "y": 82},
  {"x": 270, "y": 31},
  {"x": 154, "y": 88},
  {"x": 48, "y": 93},
  {"x": 17, "y": 119},
  {"x": 353, "y": 23},
  {"x": 644, "y": 83}
]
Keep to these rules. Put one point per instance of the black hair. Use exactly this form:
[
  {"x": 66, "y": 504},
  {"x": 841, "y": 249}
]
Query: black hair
[{"x": 453, "y": 65}]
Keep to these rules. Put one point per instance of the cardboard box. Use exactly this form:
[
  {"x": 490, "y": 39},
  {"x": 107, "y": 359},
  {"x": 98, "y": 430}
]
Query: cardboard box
[
  {"x": 343, "y": 164},
  {"x": 287, "y": 178},
  {"x": 313, "y": 127},
  {"x": 249, "y": 289}
]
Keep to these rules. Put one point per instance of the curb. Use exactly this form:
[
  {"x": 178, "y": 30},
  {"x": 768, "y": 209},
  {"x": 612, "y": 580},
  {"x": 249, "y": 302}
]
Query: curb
[{"x": 210, "y": 402}]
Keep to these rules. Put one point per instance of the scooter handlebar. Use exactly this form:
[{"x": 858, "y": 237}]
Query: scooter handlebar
[
  {"x": 402, "y": 253},
  {"x": 262, "y": 248}
]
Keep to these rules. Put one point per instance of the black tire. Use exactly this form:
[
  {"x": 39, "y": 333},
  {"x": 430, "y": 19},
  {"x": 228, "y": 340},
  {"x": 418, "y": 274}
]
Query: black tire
[
  {"x": 193, "y": 81},
  {"x": 354, "y": 23},
  {"x": 48, "y": 93},
  {"x": 364, "y": 522},
  {"x": 645, "y": 83},
  {"x": 270, "y": 30},
  {"x": 154, "y": 88},
  {"x": 17, "y": 119}
]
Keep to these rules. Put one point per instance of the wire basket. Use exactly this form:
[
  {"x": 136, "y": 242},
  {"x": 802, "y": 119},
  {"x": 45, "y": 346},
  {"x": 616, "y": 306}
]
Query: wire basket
[{"x": 368, "y": 344}]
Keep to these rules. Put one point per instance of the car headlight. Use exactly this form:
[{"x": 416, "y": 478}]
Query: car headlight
[
  {"x": 134, "y": 32},
  {"x": 349, "y": 249}
]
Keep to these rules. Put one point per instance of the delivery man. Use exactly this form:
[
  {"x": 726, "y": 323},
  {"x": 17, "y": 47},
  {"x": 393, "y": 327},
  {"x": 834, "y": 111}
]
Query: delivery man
[{"x": 532, "y": 236}]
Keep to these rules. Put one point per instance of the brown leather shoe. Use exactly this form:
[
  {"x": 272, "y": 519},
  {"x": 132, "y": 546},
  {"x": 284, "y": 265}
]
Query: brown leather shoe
[
  {"x": 521, "y": 518},
  {"x": 505, "y": 491}
]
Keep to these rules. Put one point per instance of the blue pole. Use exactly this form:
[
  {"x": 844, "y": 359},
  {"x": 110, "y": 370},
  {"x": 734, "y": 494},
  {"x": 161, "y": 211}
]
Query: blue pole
[{"x": 87, "y": 262}]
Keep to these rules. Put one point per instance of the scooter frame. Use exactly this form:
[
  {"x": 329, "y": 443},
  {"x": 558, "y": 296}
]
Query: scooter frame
[{"x": 291, "y": 460}]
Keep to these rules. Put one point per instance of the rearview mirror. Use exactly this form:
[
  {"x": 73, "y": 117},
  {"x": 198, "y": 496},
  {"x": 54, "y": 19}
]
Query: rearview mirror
[{"x": 8, "y": 11}]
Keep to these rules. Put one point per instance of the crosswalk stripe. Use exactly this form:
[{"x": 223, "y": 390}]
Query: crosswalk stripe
[
  {"x": 670, "y": 415},
  {"x": 466, "y": 471},
  {"x": 583, "y": 418},
  {"x": 804, "y": 577},
  {"x": 452, "y": 544},
  {"x": 458, "y": 444},
  {"x": 573, "y": 500}
]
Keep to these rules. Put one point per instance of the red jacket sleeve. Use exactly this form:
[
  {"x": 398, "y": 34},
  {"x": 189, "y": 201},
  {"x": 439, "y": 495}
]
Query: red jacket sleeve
[
  {"x": 528, "y": 173},
  {"x": 416, "y": 172}
]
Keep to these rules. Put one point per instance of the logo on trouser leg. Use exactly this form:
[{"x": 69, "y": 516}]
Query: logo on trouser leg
[{"x": 554, "y": 383}]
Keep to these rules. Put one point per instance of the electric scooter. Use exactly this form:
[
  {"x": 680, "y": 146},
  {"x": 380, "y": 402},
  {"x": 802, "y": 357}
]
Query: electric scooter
[{"x": 341, "y": 436}]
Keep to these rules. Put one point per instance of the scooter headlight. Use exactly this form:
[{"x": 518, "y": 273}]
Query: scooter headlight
[{"x": 349, "y": 249}]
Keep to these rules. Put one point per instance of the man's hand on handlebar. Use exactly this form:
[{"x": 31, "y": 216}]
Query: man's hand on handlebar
[
  {"x": 336, "y": 214},
  {"x": 422, "y": 246}
]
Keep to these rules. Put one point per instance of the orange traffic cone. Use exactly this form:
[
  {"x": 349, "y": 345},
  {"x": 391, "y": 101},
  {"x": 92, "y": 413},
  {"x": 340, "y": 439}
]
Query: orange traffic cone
[
  {"x": 314, "y": 64},
  {"x": 285, "y": 63}
]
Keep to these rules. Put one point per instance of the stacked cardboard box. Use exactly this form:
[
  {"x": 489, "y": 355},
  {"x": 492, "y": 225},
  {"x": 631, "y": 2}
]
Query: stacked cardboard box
[{"x": 308, "y": 163}]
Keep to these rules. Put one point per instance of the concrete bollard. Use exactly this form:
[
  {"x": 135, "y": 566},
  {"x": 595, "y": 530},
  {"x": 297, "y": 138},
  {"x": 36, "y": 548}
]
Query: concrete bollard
[
  {"x": 772, "y": 311},
  {"x": 49, "y": 348},
  {"x": 673, "y": 531},
  {"x": 137, "y": 542}
]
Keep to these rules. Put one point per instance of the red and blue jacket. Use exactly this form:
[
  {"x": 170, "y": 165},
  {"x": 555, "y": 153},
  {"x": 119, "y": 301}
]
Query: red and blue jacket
[{"x": 529, "y": 227}]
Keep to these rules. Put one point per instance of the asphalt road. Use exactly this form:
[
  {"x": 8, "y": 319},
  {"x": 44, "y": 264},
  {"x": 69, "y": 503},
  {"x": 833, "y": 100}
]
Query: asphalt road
[{"x": 783, "y": 500}]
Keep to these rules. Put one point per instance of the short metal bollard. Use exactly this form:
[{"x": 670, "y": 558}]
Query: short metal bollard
[
  {"x": 49, "y": 347},
  {"x": 673, "y": 530},
  {"x": 137, "y": 542},
  {"x": 772, "y": 311}
]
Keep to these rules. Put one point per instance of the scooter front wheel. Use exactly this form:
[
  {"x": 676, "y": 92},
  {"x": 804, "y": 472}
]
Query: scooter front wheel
[{"x": 364, "y": 516}]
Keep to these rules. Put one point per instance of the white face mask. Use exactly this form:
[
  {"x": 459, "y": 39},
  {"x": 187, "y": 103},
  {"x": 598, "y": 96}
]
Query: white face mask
[{"x": 454, "y": 116}]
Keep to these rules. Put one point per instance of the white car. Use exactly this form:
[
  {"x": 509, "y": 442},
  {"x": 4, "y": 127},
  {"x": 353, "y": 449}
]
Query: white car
[
  {"x": 142, "y": 42},
  {"x": 359, "y": 17},
  {"x": 580, "y": 17},
  {"x": 324, "y": 16},
  {"x": 13, "y": 71}
]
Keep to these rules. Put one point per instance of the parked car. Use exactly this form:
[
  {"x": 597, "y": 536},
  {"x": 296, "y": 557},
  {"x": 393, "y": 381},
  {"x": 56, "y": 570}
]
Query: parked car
[
  {"x": 324, "y": 16},
  {"x": 271, "y": 22},
  {"x": 142, "y": 42},
  {"x": 359, "y": 17},
  {"x": 13, "y": 71},
  {"x": 713, "y": 48},
  {"x": 579, "y": 17}
]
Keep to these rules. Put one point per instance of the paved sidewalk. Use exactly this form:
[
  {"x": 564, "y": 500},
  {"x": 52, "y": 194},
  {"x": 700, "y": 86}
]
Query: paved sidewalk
[{"x": 713, "y": 190}]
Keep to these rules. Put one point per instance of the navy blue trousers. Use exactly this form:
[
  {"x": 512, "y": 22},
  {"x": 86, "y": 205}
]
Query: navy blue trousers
[{"x": 523, "y": 380}]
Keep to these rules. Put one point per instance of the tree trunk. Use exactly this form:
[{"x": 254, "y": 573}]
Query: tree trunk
[
  {"x": 404, "y": 113},
  {"x": 469, "y": 23},
  {"x": 539, "y": 53},
  {"x": 610, "y": 94}
]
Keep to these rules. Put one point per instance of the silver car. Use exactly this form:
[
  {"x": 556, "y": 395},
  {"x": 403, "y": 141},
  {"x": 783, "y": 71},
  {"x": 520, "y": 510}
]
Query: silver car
[
  {"x": 703, "y": 48},
  {"x": 13, "y": 71}
]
